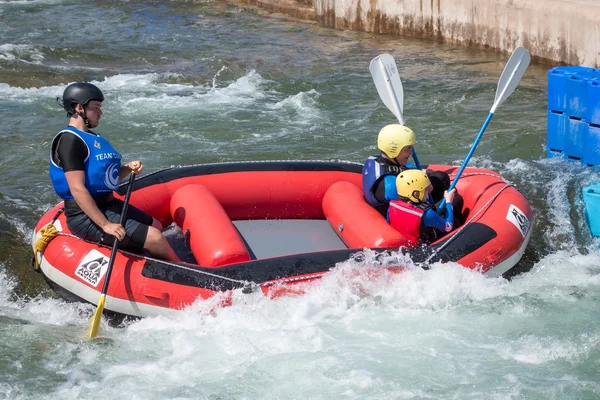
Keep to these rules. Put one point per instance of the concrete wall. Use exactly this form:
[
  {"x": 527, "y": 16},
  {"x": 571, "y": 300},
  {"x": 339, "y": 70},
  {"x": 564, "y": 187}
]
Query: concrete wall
[{"x": 553, "y": 31}]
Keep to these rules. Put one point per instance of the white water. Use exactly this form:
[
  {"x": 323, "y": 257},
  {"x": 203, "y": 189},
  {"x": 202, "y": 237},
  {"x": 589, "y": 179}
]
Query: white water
[
  {"x": 443, "y": 333},
  {"x": 217, "y": 83}
]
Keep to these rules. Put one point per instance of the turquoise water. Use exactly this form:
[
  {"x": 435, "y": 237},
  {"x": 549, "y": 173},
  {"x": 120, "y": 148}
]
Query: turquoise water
[{"x": 195, "y": 82}]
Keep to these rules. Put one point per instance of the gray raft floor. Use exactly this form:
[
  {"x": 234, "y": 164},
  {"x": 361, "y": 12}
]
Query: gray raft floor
[{"x": 271, "y": 238}]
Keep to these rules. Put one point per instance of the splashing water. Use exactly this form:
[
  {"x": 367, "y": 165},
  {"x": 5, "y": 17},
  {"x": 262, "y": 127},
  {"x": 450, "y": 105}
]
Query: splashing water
[{"x": 188, "y": 83}]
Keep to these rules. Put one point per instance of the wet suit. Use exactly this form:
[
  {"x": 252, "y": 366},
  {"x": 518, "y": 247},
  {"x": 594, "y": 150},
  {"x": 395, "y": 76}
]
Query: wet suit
[{"x": 379, "y": 183}]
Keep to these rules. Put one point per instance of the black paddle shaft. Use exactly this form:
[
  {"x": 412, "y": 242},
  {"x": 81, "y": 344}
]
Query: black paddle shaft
[{"x": 122, "y": 220}]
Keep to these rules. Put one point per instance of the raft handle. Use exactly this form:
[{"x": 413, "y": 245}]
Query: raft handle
[{"x": 156, "y": 294}]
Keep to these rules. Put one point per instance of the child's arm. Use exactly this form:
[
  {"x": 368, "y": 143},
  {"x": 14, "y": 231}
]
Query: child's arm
[{"x": 442, "y": 224}]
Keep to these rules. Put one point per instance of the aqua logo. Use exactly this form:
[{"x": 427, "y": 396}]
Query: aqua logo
[
  {"x": 518, "y": 219},
  {"x": 92, "y": 268}
]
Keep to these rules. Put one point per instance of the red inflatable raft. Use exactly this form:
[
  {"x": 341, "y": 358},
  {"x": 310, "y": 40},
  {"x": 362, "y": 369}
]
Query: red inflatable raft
[{"x": 271, "y": 225}]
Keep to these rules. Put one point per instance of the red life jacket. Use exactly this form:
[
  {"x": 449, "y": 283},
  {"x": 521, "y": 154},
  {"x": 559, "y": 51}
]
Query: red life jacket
[{"x": 405, "y": 217}]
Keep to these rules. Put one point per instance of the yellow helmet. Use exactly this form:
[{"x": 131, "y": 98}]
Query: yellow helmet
[
  {"x": 410, "y": 181},
  {"x": 393, "y": 138}
]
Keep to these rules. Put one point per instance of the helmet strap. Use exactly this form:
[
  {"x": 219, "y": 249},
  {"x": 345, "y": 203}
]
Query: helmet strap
[
  {"x": 417, "y": 197},
  {"x": 85, "y": 118}
]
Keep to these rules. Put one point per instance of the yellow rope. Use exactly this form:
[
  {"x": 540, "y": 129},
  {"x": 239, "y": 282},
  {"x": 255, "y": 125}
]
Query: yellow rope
[{"x": 48, "y": 233}]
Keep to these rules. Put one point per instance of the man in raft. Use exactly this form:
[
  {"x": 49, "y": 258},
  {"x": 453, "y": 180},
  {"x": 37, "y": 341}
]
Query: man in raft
[
  {"x": 413, "y": 216},
  {"x": 379, "y": 172},
  {"x": 85, "y": 170}
]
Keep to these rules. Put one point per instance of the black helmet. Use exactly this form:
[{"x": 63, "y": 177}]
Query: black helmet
[{"x": 80, "y": 93}]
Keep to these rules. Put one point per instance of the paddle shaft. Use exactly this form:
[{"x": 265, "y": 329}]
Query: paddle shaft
[
  {"x": 122, "y": 220},
  {"x": 475, "y": 143},
  {"x": 464, "y": 164},
  {"x": 511, "y": 75},
  {"x": 95, "y": 326}
]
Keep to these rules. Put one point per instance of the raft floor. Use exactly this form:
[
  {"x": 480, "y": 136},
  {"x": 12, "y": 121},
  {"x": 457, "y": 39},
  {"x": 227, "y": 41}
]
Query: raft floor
[{"x": 271, "y": 238}]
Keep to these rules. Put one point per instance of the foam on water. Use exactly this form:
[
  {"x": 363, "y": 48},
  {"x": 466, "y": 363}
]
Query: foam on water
[
  {"x": 30, "y": 2},
  {"x": 22, "y": 52},
  {"x": 360, "y": 332},
  {"x": 28, "y": 95},
  {"x": 38, "y": 310},
  {"x": 175, "y": 111},
  {"x": 144, "y": 94},
  {"x": 304, "y": 104}
]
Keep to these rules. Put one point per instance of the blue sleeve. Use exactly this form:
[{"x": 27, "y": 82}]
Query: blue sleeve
[
  {"x": 391, "y": 193},
  {"x": 442, "y": 224}
]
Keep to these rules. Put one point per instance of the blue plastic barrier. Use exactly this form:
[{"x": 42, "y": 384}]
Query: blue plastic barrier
[
  {"x": 591, "y": 152},
  {"x": 557, "y": 86},
  {"x": 574, "y": 126},
  {"x": 557, "y": 126},
  {"x": 577, "y": 96},
  {"x": 574, "y": 114},
  {"x": 591, "y": 198},
  {"x": 593, "y": 116},
  {"x": 575, "y": 137}
]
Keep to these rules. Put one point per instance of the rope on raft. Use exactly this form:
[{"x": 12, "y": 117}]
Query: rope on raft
[{"x": 48, "y": 232}]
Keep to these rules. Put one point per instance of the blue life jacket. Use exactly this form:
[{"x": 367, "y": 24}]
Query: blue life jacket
[
  {"x": 101, "y": 167},
  {"x": 374, "y": 170}
]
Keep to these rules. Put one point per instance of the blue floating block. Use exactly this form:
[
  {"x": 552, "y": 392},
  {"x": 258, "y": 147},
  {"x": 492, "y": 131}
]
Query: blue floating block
[
  {"x": 591, "y": 200},
  {"x": 557, "y": 86},
  {"x": 593, "y": 116},
  {"x": 591, "y": 151},
  {"x": 575, "y": 138},
  {"x": 557, "y": 126},
  {"x": 577, "y": 94},
  {"x": 574, "y": 113}
]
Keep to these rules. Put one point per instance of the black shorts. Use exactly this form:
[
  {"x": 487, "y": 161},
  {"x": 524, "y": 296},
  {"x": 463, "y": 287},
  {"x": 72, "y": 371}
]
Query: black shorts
[{"x": 136, "y": 226}]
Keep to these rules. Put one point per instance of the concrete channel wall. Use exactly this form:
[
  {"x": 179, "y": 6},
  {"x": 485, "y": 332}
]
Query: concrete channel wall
[{"x": 554, "y": 31}]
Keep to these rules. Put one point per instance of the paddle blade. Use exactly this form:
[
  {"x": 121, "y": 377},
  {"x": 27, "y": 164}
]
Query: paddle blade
[
  {"x": 511, "y": 76},
  {"x": 95, "y": 326},
  {"x": 387, "y": 81}
]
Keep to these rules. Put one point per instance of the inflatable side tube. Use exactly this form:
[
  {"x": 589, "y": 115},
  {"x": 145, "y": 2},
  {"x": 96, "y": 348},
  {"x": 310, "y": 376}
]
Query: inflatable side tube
[
  {"x": 357, "y": 223},
  {"x": 214, "y": 240}
]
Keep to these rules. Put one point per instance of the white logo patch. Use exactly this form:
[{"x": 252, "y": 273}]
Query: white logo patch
[
  {"x": 92, "y": 268},
  {"x": 518, "y": 218},
  {"x": 111, "y": 179},
  {"x": 448, "y": 227}
]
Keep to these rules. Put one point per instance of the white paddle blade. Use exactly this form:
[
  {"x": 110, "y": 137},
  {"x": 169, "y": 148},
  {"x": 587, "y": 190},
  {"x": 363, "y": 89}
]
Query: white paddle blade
[
  {"x": 511, "y": 76},
  {"x": 387, "y": 81}
]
